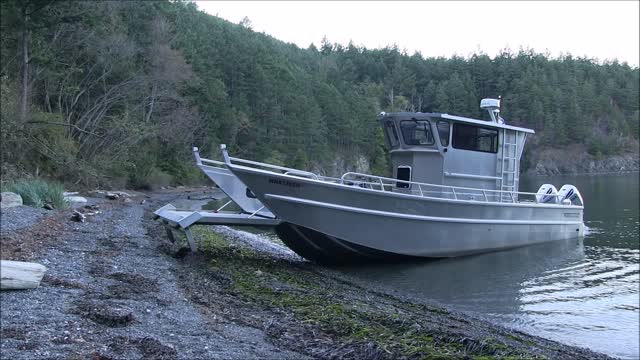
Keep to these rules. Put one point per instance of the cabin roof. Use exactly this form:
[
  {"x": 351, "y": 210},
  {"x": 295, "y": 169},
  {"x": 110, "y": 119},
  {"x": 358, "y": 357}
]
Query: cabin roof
[{"x": 397, "y": 116}]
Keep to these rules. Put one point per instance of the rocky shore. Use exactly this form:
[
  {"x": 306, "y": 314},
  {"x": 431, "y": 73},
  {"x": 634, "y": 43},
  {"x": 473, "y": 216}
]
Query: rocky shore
[
  {"x": 572, "y": 161},
  {"x": 116, "y": 288}
]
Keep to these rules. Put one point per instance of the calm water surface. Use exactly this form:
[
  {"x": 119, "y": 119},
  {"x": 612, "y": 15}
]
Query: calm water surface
[{"x": 584, "y": 293}]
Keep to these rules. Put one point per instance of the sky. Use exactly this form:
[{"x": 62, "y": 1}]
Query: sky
[{"x": 598, "y": 30}]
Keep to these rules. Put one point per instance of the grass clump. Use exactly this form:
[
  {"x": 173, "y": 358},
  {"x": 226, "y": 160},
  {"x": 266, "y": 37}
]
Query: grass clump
[{"x": 37, "y": 192}]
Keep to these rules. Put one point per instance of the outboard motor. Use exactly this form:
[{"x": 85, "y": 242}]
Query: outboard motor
[
  {"x": 569, "y": 195},
  {"x": 547, "y": 194}
]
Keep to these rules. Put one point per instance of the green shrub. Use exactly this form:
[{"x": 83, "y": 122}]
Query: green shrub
[{"x": 37, "y": 192}]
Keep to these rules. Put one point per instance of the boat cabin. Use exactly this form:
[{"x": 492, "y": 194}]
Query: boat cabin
[{"x": 444, "y": 149}]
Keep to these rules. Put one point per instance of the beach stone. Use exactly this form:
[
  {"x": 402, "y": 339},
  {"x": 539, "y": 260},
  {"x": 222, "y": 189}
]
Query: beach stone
[
  {"x": 75, "y": 199},
  {"x": 10, "y": 199}
]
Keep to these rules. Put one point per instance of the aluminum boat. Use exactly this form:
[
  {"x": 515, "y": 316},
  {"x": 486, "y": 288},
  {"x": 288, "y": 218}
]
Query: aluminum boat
[{"x": 454, "y": 192}]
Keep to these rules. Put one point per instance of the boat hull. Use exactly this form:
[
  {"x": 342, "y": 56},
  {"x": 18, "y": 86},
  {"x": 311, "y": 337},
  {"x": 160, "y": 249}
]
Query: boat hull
[
  {"x": 402, "y": 224},
  {"x": 326, "y": 249}
]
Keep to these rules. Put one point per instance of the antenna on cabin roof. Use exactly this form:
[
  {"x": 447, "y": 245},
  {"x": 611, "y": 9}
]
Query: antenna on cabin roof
[{"x": 493, "y": 107}]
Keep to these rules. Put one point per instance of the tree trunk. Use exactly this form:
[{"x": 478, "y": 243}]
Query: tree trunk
[
  {"x": 24, "y": 91},
  {"x": 153, "y": 100},
  {"x": 20, "y": 275}
]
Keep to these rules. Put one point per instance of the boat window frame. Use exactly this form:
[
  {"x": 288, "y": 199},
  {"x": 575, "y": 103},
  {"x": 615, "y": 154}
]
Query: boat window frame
[
  {"x": 495, "y": 145},
  {"x": 391, "y": 124},
  {"x": 427, "y": 121},
  {"x": 449, "y": 131}
]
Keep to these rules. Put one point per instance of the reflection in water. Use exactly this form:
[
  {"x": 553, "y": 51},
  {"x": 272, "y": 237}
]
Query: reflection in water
[{"x": 491, "y": 282}]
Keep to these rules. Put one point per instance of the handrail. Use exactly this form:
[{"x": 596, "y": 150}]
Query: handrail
[
  {"x": 392, "y": 180},
  {"x": 228, "y": 159},
  {"x": 215, "y": 162},
  {"x": 282, "y": 168},
  {"x": 200, "y": 160},
  {"x": 381, "y": 181},
  {"x": 301, "y": 173},
  {"x": 471, "y": 176}
]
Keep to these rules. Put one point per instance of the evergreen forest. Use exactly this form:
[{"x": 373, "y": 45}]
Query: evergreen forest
[{"x": 116, "y": 93}]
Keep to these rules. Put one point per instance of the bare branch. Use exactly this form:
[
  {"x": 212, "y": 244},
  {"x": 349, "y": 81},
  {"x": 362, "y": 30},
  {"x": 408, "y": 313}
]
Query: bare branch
[{"x": 63, "y": 124}]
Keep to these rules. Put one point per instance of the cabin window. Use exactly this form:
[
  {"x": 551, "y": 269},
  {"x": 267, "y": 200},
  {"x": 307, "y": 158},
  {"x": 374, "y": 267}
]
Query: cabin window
[
  {"x": 475, "y": 138},
  {"x": 443, "y": 132},
  {"x": 416, "y": 132},
  {"x": 392, "y": 134}
]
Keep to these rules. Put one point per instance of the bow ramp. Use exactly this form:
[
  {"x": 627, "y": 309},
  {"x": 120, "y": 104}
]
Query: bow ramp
[{"x": 182, "y": 220}]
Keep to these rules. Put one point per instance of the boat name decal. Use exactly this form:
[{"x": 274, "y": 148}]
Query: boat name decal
[
  {"x": 284, "y": 182},
  {"x": 572, "y": 215}
]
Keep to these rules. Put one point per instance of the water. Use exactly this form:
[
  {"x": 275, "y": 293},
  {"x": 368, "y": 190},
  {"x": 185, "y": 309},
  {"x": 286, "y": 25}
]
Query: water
[{"x": 583, "y": 293}]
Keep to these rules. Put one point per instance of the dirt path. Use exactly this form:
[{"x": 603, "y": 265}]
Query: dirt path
[{"x": 109, "y": 293}]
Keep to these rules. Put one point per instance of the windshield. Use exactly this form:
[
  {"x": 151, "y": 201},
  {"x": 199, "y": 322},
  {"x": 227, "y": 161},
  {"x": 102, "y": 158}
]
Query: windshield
[{"x": 416, "y": 132}]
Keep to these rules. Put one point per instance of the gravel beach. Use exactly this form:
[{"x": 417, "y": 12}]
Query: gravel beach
[{"x": 109, "y": 293}]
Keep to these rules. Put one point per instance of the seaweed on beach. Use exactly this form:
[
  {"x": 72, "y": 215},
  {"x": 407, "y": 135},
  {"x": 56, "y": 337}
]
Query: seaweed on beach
[{"x": 325, "y": 317}]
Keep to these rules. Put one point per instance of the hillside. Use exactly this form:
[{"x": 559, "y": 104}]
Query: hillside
[{"x": 116, "y": 93}]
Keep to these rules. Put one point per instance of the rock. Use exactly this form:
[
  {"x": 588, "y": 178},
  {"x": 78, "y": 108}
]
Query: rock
[
  {"x": 48, "y": 206},
  {"x": 78, "y": 216},
  {"x": 75, "y": 199},
  {"x": 258, "y": 273},
  {"x": 10, "y": 199},
  {"x": 20, "y": 275},
  {"x": 576, "y": 160},
  {"x": 114, "y": 195},
  {"x": 143, "y": 201},
  {"x": 127, "y": 200},
  {"x": 69, "y": 193}
]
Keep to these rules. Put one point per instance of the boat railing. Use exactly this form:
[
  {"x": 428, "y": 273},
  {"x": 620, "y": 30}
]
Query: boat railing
[
  {"x": 203, "y": 161},
  {"x": 282, "y": 169},
  {"x": 285, "y": 170},
  {"x": 385, "y": 184},
  {"x": 211, "y": 162},
  {"x": 220, "y": 164},
  {"x": 434, "y": 190}
]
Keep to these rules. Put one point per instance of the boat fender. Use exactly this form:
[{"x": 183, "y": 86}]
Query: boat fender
[
  {"x": 546, "y": 194},
  {"x": 571, "y": 193}
]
